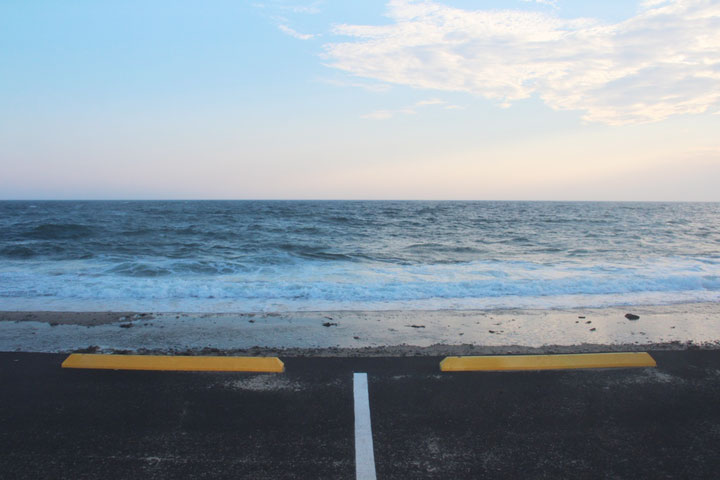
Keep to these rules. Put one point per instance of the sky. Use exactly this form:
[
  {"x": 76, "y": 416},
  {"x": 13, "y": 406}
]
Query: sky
[{"x": 401, "y": 99}]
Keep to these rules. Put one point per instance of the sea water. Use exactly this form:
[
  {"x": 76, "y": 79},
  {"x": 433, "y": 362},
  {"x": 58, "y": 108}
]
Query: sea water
[{"x": 226, "y": 256}]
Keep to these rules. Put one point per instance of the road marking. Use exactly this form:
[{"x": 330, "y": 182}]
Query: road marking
[
  {"x": 174, "y": 363},
  {"x": 364, "y": 455},
  {"x": 547, "y": 362}
]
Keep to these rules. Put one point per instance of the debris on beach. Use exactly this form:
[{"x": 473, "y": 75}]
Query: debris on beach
[
  {"x": 126, "y": 325},
  {"x": 89, "y": 349},
  {"x": 416, "y": 326},
  {"x": 581, "y": 317},
  {"x": 631, "y": 316},
  {"x": 329, "y": 324},
  {"x": 593, "y": 329}
]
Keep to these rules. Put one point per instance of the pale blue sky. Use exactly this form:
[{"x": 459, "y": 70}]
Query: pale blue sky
[{"x": 613, "y": 100}]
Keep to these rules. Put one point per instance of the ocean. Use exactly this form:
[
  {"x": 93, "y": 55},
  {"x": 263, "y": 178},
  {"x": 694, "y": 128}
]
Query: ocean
[{"x": 261, "y": 256}]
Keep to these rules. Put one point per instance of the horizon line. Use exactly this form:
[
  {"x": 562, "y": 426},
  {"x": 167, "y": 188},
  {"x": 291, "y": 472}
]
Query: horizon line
[{"x": 335, "y": 200}]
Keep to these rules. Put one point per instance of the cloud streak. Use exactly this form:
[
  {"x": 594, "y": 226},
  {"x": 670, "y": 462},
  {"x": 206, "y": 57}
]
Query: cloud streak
[
  {"x": 664, "y": 61},
  {"x": 295, "y": 34},
  {"x": 550, "y": 3},
  {"x": 410, "y": 109}
]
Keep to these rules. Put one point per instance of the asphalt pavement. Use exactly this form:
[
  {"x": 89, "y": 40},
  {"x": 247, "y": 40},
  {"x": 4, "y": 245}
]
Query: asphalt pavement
[{"x": 654, "y": 423}]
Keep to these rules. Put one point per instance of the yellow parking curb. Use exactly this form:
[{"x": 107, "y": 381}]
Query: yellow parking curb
[
  {"x": 547, "y": 362},
  {"x": 174, "y": 363}
]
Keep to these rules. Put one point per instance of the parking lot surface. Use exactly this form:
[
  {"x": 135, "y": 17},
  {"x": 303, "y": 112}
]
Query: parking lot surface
[{"x": 659, "y": 422}]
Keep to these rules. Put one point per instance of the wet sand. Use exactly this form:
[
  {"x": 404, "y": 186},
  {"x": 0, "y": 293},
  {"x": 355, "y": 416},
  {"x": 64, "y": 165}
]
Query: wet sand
[{"x": 366, "y": 333}]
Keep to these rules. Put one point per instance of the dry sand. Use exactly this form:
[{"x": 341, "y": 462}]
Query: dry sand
[{"x": 367, "y": 333}]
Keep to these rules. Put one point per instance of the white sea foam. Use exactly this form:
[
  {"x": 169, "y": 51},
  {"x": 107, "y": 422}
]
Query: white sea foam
[{"x": 313, "y": 286}]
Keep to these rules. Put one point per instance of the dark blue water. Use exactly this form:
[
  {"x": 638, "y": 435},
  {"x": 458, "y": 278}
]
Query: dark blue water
[{"x": 287, "y": 255}]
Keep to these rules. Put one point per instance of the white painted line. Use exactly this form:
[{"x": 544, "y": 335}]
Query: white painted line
[{"x": 364, "y": 456}]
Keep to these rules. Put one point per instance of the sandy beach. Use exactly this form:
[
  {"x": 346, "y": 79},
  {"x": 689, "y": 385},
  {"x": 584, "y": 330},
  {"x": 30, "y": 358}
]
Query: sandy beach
[{"x": 366, "y": 333}]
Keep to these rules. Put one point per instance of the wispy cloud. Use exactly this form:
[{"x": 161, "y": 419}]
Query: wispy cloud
[
  {"x": 282, "y": 6},
  {"x": 432, "y": 101},
  {"x": 369, "y": 86},
  {"x": 301, "y": 36},
  {"x": 386, "y": 114},
  {"x": 664, "y": 61},
  {"x": 279, "y": 11},
  {"x": 311, "y": 8},
  {"x": 550, "y": 3},
  {"x": 409, "y": 110}
]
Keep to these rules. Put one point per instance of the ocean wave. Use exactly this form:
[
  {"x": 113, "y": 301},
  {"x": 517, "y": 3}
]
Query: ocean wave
[
  {"x": 17, "y": 251},
  {"x": 60, "y": 231},
  {"x": 320, "y": 255},
  {"x": 368, "y": 282},
  {"x": 138, "y": 269},
  {"x": 429, "y": 253}
]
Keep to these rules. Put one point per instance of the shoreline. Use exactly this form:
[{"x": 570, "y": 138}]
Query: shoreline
[
  {"x": 366, "y": 333},
  {"x": 439, "y": 350}
]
